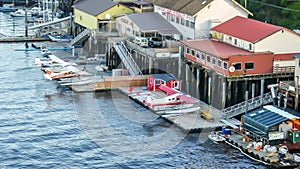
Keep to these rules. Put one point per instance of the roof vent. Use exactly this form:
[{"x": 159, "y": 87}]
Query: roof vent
[{"x": 203, "y": 2}]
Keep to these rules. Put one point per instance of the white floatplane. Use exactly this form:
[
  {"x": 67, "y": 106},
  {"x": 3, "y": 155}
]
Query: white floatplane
[{"x": 173, "y": 97}]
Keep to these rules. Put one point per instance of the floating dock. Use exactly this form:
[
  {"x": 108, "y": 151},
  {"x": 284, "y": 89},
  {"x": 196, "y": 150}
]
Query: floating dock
[
  {"x": 185, "y": 116},
  {"x": 23, "y": 39}
]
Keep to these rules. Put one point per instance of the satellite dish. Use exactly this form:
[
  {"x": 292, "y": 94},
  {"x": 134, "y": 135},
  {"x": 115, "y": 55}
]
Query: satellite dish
[
  {"x": 231, "y": 69},
  {"x": 107, "y": 16}
]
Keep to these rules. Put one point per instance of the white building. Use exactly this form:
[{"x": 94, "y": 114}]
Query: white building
[
  {"x": 148, "y": 24},
  {"x": 195, "y": 18}
]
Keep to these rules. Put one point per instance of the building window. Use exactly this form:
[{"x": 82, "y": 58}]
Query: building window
[
  {"x": 208, "y": 58},
  {"x": 157, "y": 82},
  {"x": 192, "y": 25},
  {"x": 188, "y": 50},
  {"x": 235, "y": 41},
  {"x": 219, "y": 63},
  {"x": 128, "y": 30},
  {"x": 213, "y": 61},
  {"x": 198, "y": 54},
  {"x": 250, "y": 46},
  {"x": 151, "y": 81},
  {"x": 249, "y": 65},
  {"x": 80, "y": 17},
  {"x": 182, "y": 21},
  {"x": 172, "y": 18},
  {"x": 187, "y": 23},
  {"x": 237, "y": 66},
  {"x": 163, "y": 13},
  {"x": 193, "y": 52},
  {"x": 203, "y": 56},
  {"x": 177, "y": 20},
  {"x": 225, "y": 65},
  {"x": 168, "y": 17}
]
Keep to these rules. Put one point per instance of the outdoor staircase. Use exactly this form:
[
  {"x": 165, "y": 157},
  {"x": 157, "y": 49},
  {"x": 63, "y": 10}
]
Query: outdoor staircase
[
  {"x": 241, "y": 107},
  {"x": 127, "y": 59},
  {"x": 81, "y": 37}
]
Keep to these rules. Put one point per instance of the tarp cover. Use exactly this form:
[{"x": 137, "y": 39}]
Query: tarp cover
[{"x": 259, "y": 121}]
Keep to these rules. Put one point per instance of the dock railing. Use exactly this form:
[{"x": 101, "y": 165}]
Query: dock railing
[
  {"x": 241, "y": 107},
  {"x": 82, "y": 35},
  {"x": 127, "y": 59}
]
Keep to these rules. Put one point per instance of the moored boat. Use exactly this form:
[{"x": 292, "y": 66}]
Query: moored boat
[{"x": 216, "y": 137}]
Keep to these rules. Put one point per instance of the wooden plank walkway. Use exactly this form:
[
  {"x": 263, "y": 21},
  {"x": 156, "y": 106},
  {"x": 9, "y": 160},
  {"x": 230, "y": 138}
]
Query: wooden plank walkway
[{"x": 23, "y": 39}]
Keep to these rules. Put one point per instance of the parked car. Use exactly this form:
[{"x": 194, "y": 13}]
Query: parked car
[
  {"x": 141, "y": 41},
  {"x": 155, "y": 42}
]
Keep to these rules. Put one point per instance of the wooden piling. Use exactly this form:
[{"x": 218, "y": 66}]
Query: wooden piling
[{"x": 223, "y": 95}]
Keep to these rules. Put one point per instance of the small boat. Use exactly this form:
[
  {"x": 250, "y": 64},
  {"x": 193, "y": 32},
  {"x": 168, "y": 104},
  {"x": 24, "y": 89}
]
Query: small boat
[
  {"x": 60, "y": 38},
  {"x": 216, "y": 137},
  {"x": 8, "y": 8},
  {"x": 19, "y": 13}
]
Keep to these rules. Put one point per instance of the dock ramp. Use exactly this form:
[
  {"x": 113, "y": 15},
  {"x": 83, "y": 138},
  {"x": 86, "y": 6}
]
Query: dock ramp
[
  {"x": 250, "y": 105},
  {"x": 127, "y": 59},
  {"x": 82, "y": 36}
]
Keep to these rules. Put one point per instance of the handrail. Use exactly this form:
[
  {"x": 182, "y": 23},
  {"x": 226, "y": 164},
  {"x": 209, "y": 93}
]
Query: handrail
[
  {"x": 127, "y": 59},
  {"x": 80, "y": 36},
  {"x": 241, "y": 107}
]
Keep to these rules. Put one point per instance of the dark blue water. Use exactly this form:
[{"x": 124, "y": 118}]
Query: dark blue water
[{"x": 43, "y": 125}]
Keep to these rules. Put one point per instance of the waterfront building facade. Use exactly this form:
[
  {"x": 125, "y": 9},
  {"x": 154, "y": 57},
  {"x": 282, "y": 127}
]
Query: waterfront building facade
[
  {"x": 96, "y": 14},
  {"x": 195, "y": 18},
  {"x": 256, "y": 36}
]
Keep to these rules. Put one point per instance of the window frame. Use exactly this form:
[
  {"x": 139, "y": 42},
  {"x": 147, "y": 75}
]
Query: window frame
[
  {"x": 237, "y": 63},
  {"x": 208, "y": 58},
  {"x": 249, "y": 63},
  {"x": 225, "y": 63},
  {"x": 187, "y": 51},
  {"x": 219, "y": 61}
]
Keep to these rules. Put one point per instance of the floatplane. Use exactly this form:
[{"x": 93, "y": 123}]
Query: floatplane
[
  {"x": 173, "y": 97},
  {"x": 56, "y": 68}
]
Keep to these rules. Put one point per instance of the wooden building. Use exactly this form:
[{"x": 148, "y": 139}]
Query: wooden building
[
  {"x": 95, "y": 14},
  {"x": 227, "y": 60},
  {"x": 257, "y": 36},
  {"x": 157, "y": 80},
  {"x": 195, "y": 18}
]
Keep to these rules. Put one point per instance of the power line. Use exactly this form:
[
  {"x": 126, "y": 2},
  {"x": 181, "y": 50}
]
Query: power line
[{"x": 275, "y": 6}]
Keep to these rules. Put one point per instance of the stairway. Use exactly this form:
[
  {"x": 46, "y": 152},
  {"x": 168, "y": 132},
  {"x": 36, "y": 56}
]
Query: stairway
[
  {"x": 81, "y": 37},
  {"x": 127, "y": 59}
]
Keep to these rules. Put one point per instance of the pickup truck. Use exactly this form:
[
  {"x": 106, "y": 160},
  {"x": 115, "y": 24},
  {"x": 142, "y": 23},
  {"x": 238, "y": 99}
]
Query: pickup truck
[{"x": 155, "y": 42}]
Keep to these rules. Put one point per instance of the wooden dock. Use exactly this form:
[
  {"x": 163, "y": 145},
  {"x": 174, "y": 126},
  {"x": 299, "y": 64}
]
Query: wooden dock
[
  {"x": 108, "y": 83},
  {"x": 23, "y": 39},
  {"x": 187, "y": 121}
]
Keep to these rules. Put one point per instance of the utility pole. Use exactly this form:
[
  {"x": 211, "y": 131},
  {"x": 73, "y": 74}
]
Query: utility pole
[{"x": 246, "y": 4}]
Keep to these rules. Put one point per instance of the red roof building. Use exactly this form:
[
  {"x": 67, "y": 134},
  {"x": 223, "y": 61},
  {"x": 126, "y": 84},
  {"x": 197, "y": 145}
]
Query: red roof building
[
  {"x": 227, "y": 59},
  {"x": 256, "y": 36}
]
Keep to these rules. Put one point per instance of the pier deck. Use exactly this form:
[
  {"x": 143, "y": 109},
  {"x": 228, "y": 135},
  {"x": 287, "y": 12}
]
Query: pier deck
[{"x": 188, "y": 121}]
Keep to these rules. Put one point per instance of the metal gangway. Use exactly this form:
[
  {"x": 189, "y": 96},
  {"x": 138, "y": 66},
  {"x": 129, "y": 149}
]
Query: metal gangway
[
  {"x": 127, "y": 59},
  {"x": 81, "y": 37},
  {"x": 39, "y": 26},
  {"x": 249, "y": 105}
]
